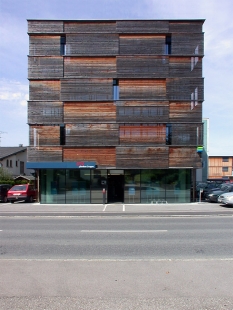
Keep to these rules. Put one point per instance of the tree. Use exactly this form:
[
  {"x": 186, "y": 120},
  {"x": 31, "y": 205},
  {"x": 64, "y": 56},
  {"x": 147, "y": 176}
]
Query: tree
[{"x": 5, "y": 176}]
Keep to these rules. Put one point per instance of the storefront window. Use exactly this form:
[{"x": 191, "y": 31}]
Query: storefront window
[
  {"x": 132, "y": 186},
  {"x": 78, "y": 186},
  {"x": 98, "y": 183},
  {"x": 153, "y": 186}
]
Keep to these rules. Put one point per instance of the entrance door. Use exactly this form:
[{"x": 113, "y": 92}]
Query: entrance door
[{"x": 115, "y": 188}]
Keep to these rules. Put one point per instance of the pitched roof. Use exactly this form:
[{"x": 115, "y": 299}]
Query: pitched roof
[{"x": 12, "y": 150}]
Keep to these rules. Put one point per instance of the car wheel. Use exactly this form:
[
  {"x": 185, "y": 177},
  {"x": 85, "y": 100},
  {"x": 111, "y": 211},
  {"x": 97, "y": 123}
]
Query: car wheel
[
  {"x": 5, "y": 199},
  {"x": 12, "y": 201},
  {"x": 30, "y": 199}
]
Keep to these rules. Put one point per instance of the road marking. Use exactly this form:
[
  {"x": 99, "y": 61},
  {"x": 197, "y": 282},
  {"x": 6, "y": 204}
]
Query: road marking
[
  {"x": 122, "y": 231},
  {"x": 104, "y": 208},
  {"x": 123, "y": 208}
]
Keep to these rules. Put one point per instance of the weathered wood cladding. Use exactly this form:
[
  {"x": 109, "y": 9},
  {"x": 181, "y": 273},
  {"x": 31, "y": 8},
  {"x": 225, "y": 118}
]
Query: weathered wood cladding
[
  {"x": 185, "y": 26},
  {"x": 186, "y": 44},
  {"x": 142, "y": 26},
  {"x": 44, "y": 45},
  {"x": 104, "y": 157},
  {"x": 44, "y": 90},
  {"x": 182, "y": 112},
  {"x": 44, "y": 135},
  {"x": 142, "y": 67},
  {"x": 90, "y": 27},
  {"x": 83, "y": 67},
  {"x": 92, "y": 44},
  {"x": 187, "y": 134},
  {"x": 185, "y": 67},
  {"x": 45, "y": 67},
  {"x": 91, "y": 134},
  {"x": 142, "y": 44},
  {"x": 184, "y": 157},
  {"x": 45, "y": 112},
  {"x": 142, "y": 89},
  {"x": 47, "y": 26},
  {"x": 86, "y": 89},
  {"x": 40, "y": 153},
  {"x": 87, "y": 112},
  {"x": 183, "y": 88},
  {"x": 142, "y": 157}
]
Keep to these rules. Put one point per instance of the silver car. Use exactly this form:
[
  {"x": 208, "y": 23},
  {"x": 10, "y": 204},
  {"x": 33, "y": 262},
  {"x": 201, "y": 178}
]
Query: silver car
[{"x": 226, "y": 198}]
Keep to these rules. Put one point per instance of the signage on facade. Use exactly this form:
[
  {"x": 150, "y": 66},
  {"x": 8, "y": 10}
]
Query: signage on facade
[{"x": 62, "y": 165}]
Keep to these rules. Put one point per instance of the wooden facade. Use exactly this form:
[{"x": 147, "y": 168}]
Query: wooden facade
[
  {"x": 220, "y": 167},
  {"x": 127, "y": 93}
]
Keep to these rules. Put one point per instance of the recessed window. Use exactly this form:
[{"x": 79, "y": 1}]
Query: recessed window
[
  {"x": 63, "y": 45},
  {"x": 62, "y": 134},
  {"x": 16, "y": 163},
  {"x": 225, "y": 159},
  {"x": 115, "y": 89},
  {"x": 7, "y": 162},
  {"x": 224, "y": 169},
  {"x": 168, "y": 45}
]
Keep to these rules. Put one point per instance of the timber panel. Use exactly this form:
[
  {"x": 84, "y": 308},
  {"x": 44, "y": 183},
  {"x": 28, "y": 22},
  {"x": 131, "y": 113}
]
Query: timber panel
[
  {"x": 45, "y": 67},
  {"x": 92, "y": 44},
  {"x": 142, "y": 89},
  {"x": 182, "y": 112},
  {"x": 91, "y": 134},
  {"x": 186, "y": 44},
  {"x": 85, "y": 67},
  {"x": 186, "y": 26},
  {"x": 52, "y": 26},
  {"x": 49, "y": 153},
  {"x": 44, "y": 46},
  {"x": 180, "y": 157},
  {"x": 44, "y": 90},
  {"x": 142, "y": 67},
  {"x": 183, "y": 88},
  {"x": 142, "y": 45},
  {"x": 86, "y": 89},
  {"x": 104, "y": 157},
  {"x": 187, "y": 134},
  {"x": 144, "y": 114},
  {"x": 45, "y": 112},
  {"x": 149, "y": 134},
  {"x": 44, "y": 135},
  {"x": 142, "y": 26},
  {"x": 90, "y": 27},
  {"x": 142, "y": 157},
  {"x": 87, "y": 112},
  {"x": 185, "y": 67}
]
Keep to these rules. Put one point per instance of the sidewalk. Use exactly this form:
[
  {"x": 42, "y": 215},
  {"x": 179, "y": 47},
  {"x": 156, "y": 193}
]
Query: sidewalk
[{"x": 195, "y": 208}]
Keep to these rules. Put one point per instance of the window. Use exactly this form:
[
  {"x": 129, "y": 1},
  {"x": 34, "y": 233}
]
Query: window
[
  {"x": 63, "y": 45},
  {"x": 225, "y": 159},
  {"x": 194, "y": 98},
  {"x": 21, "y": 167},
  {"x": 168, "y": 45},
  {"x": 168, "y": 134},
  {"x": 10, "y": 163},
  {"x": 16, "y": 163},
  {"x": 7, "y": 162},
  {"x": 194, "y": 60},
  {"x": 62, "y": 134},
  {"x": 115, "y": 89},
  {"x": 224, "y": 169}
]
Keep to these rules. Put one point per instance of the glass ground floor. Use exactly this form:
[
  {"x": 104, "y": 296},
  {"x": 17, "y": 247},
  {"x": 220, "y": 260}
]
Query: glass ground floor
[{"x": 84, "y": 186}]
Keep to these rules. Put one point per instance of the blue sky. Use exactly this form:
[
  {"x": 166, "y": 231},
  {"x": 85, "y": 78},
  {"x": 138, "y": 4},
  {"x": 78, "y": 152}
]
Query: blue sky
[{"x": 217, "y": 64}]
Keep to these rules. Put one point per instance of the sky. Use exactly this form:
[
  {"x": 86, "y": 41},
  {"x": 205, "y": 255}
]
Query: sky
[{"x": 217, "y": 62}]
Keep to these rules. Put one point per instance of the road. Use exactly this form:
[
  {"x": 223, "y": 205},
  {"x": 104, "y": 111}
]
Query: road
[{"x": 115, "y": 262}]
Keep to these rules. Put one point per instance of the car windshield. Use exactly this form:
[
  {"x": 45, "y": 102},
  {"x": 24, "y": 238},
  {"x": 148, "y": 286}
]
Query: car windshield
[{"x": 19, "y": 188}]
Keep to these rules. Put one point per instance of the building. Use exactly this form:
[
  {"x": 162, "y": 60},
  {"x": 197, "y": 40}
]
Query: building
[
  {"x": 115, "y": 109},
  {"x": 14, "y": 159},
  {"x": 221, "y": 167}
]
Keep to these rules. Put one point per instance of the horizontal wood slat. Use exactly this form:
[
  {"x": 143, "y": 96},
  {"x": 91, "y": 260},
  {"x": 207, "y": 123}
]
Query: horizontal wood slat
[
  {"x": 90, "y": 27},
  {"x": 82, "y": 67},
  {"x": 186, "y": 44},
  {"x": 92, "y": 44},
  {"x": 142, "y": 89},
  {"x": 99, "y": 112},
  {"x": 47, "y": 26},
  {"x": 86, "y": 89},
  {"x": 185, "y": 67},
  {"x": 44, "y": 45},
  {"x": 142, "y": 26},
  {"x": 91, "y": 134},
  {"x": 180, "y": 157},
  {"x": 45, "y": 112},
  {"x": 49, "y": 153},
  {"x": 182, "y": 112},
  {"x": 186, "y": 26},
  {"x": 183, "y": 88},
  {"x": 187, "y": 134},
  {"x": 44, "y": 135},
  {"x": 44, "y": 90},
  {"x": 142, "y": 157},
  {"x": 104, "y": 157},
  {"x": 45, "y": 67}
]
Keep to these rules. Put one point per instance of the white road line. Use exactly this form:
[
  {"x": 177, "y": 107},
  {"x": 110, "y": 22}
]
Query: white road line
[
  {"x": 104, "y": 208},
  {"x": 123, "y": 231},
  {"x": 123, "y": 208}
]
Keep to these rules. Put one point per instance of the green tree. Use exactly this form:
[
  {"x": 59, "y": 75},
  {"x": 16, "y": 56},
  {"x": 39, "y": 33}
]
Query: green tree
[{"x": 5, "y": 176}]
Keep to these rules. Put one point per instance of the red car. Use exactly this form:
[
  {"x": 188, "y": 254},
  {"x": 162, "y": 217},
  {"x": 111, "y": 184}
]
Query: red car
[{"x": 22, "y": 192}]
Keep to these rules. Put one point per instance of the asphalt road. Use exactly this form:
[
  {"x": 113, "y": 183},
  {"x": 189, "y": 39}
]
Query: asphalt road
[{"x": 116, "y": 262}]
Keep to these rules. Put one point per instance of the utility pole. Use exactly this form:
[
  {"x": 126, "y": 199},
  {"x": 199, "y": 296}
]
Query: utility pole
[{"x": 1, "y": 132}]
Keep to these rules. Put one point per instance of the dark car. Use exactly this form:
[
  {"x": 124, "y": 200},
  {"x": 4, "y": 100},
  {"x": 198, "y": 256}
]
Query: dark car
[
  {"x": 3, "y": 191},
  {"x": 24, "y": 192},
  {"x": 225, "y": 188}
]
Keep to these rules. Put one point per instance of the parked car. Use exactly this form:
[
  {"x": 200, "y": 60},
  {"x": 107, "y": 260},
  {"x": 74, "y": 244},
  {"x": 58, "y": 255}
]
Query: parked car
[
  {"x": 3, "y": 191},
  {"x": 22, "y": 192},
  {"x": 213, "y": 196},
  {"x": 226, "y": 199}
]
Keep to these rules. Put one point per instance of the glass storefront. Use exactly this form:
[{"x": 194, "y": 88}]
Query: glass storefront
[{"x": 80, "y": 186}]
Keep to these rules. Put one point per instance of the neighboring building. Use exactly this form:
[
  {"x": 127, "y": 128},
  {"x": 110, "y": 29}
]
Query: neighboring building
[
  {"x": 115, "y": 109},
  {"x": 220, "y": 167},
  {"x": 14, "y": 159},
  {"x": 202, "y": 173}
]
